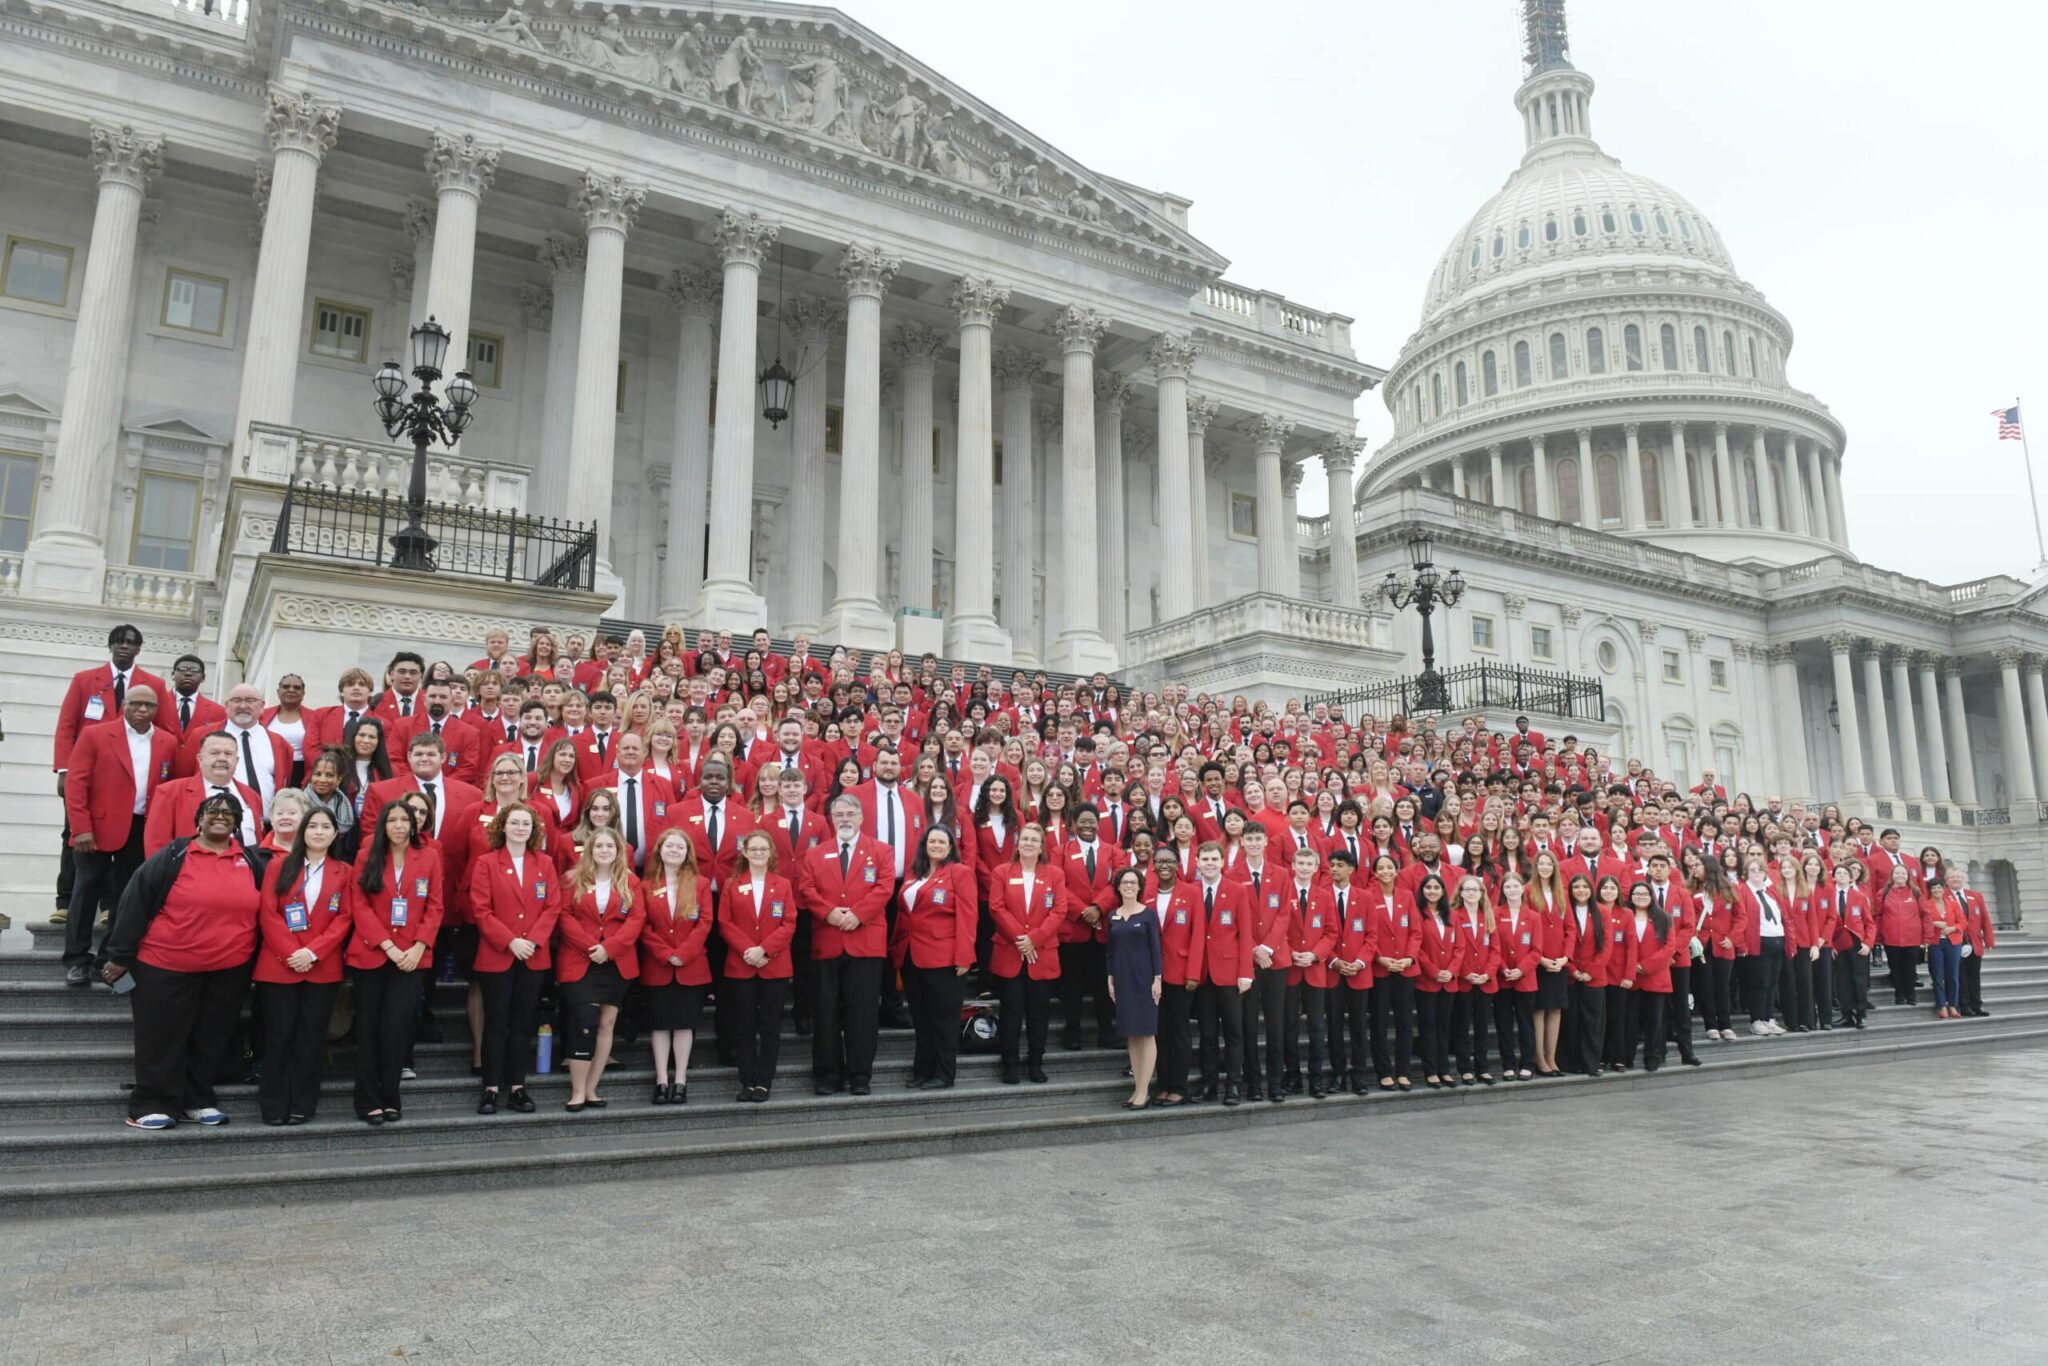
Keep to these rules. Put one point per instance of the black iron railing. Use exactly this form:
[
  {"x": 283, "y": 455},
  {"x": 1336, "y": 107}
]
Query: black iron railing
[
  {"x": 1477, "y": 687},
  {"x": 338, "y": 524}
]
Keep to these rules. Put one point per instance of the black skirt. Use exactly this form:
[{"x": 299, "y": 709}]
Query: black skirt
[
  {"x": 1552, "y": 989},
  {"x": 675, "y": 1006},
  {"x": 600, "y": 985}
]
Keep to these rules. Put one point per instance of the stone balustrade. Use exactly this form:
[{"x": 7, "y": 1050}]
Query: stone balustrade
[
  {"x": 1266, "y": 312},
  {"x": 280, "y": 455},
  {"x": 153, "y": 591},
  {"x": 1313, "y": 623}
]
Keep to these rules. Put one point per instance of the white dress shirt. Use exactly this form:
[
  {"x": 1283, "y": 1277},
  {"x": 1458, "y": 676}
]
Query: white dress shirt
[{"x": 138, "y": 760}]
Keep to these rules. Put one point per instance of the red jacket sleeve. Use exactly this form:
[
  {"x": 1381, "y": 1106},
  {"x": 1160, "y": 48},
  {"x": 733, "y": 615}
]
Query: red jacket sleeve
[
  {"x": 622, "y": 939},
  {"x": 480, "y": 899},
  {"x": 780, "y": 932}
]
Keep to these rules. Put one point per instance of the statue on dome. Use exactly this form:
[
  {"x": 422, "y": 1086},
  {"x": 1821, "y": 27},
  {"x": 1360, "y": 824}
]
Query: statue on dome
[
  {"x": 511, "y": 27},
  {"x": 686, "y": 66},
  {"x": 900, "y": 120},
  {"x": 739, "y": 81},
  {"x": 824, "y": 102},
  {"x": 635, "y": 64}
]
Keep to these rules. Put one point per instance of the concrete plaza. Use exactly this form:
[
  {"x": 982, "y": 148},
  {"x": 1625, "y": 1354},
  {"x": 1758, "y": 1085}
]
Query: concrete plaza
[{"x": 1871, "y": 1214}]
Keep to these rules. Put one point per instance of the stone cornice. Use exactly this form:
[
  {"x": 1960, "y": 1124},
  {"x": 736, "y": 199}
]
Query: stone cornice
[
  {"x": 1591, "y": 285},
  {"x": 1250, "y": 352}
]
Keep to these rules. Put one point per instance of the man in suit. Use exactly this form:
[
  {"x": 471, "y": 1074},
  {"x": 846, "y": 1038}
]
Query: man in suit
[
  {"x": 184, "y": 712},
  {"x": 647, "y": 804},
  {"x": 454, "y": 800},
  {"x": 264, "y": 759},
  {"x": 462, "y": 749},
  {"x": 174, "y": 806},
  {"x": 96, "y": 696},
  {"x": 114, "y": 771},
  {"x": 845, "y": 888}
]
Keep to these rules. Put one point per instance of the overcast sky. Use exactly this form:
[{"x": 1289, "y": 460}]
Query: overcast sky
[{"x": 1877, "y": 169}]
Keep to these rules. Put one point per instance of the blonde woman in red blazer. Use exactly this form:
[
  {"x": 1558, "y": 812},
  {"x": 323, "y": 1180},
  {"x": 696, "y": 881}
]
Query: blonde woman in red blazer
[
  {"x": 302, "y": 922},
  {"x": 933, "y": 946},
  {"x": 675, "y": 967},
  {"x": 1029, "y": 907},
  {"x": 757, "y": 917},
  {"x": 515, "y": 900},
  {"x": 596, "y": 956}
]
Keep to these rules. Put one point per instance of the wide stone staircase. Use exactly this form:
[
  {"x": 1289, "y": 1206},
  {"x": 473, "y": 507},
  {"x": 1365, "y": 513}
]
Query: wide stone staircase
[{"x": 65, "y": 1060}]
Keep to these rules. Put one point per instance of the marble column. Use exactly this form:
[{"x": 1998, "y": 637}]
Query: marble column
[
  {"x": 1269, "y": 434},
  {"x": 1831, "y": 482},
  {"x": 1958, "y": 720},
  {"x": 1081, "y": 647},
  {"x": 2037, "y": 717},
  {"x": 1173, "y": 360},
  {"x": 1854, "y": 792},
  {"x": 419, "y": 227},
  {"x": 1766, "y": 487},
  {"x": 1634, "y": 515},
  {"x": 1015, "y": 372},
  {"x": 1724, "y": 479},
  {"x": 1589, "y": 484},
  {"x": 917, "y": 348},
  {"x": 1290, "y": 527},
  {"x": 461, "y": 169},
  {"x": 67, "y": 560},
  {"x": 1459, "y": 489},
  {"x": 1546, "y": 488},
  {"x": 563, "y": 257},
  {"x": 695, "y": 295},
  {"x": 1679, "y": 493},
  {"x": 1795, "y": 487},
  {"x": 300, "y": 132},
  {"x": 2012, "y": 730},
  {"x": 1790, "y": 721},
  {"x": 971, "y": 630},
  {"x": 857, "y": 618},
  {"x": 1497, "y": 481},
  {"x": 1112, "y": 392},
  {"x": 811, "y": 323},
  {"x": 1809, "y": 477},
  {"x": 1340, "y": 461},
  {"x": 1910, "y": 786},
  {"x": 608, "y": 206},
  {"x": 1883, "y": 782},
  {"x": 1930, "y": 709},
  {"x": 1201, "y": 412},
  {"x": 727, "y": 601}
]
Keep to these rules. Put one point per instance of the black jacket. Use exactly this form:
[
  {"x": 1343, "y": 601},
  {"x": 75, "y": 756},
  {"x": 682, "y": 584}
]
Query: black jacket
[{"x": 150, "y": 888}]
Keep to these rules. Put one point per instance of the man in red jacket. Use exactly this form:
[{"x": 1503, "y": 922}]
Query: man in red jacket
[
  {"x": 845, "y": 888},
  {"x": 183, "y": 711},
  {"x": 1219, "y": 968},
  {"x": 114, "y": 770},
  {"x": 94, "y": 698},
  {"x": 174, "y": 806}
]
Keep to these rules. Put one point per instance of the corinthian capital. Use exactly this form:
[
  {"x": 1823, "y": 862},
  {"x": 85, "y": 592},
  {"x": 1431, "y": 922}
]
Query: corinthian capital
[
  {"x": 917, "y": 345},
  {"x": 459, "y": 162},
  {"x": 1269, "y": 431},
  {"x": 294, "y": 122},
  {"x": 694, "y": 291},
  {"x": 1340, "y": 452},
  {"x": 1173, "y": 357},
  {"x": 607, "y": 201},
  {"x": 1112, "y": 391},
  {"x": 812, "y": 320},
  {"x": 1290, "y": 479},
  {"x": 1079, "y": 329},
  {"x": 744, "y": 238},
  {"x": 979, "y": 300},
  {"x": 563, "y": 256},
  {"x": 1201, "y": 412},
  {"x": 867, "y": 271},
  {"x": 1018, "y": 367},
  {"x": 125, "y": 157}
]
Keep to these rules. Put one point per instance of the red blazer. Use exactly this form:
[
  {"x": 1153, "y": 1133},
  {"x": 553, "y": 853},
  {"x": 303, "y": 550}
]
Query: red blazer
[
  {"x": 1098, "y": 893},
  {"x": 1043, "y": 918},
  {"x": 422, "y": 891},
  {"x": 1396, "y": 929},
  {"x": 912, "y": 808},
  {"x": 770, "y": 926},
  {"x": 991, "y": 853},
  {"x": 324, "y": 924},
  {"x": 1271, "y": 906},
  {"x": 1589, "y": 956},
  {"x": 864, "y": 889},
  {"x": 1982, "y": 933},
  {"x": 1221, "y": 954},
  {"x": 1647, "y": 959},
  {"x": 1439, "y": 949},
  {"x": 1478, "y": 953},
  {"x": 812, "y": 830},
  {"x": 1519, "y": 944},
  {"x": 1558, "y": 935},
  {"x": 456, "y": 799},
  {"x": 657, "y": 807},
  {"x": 1902, "y": 919},
  {"x": 326, "y": 725},
  {"x": 1176, "y": 929},
  {"x": 581, "y": 928},
  {"x": 505, "y": 905},
  {"x": 935, "y": 925},
  {"x": 207, "y": 716},
  {"x": 736, "y": 821},
  {"x": 99, "y": 794},
  {"x": 1854, "y": 924},
  {"x": 174, "y": 810},
  {"x": 188, "y": 752},
  {"x": 73, "y": 716},
  {"x": 1948, "y": 909},
  {"x": 682, "y": 931},
  {"x": 1356, "y": 935},
  {"x": 463, "y": 747},
  {"x": 1311, "y": 931},
  {"x": 1819, "y": 909}
]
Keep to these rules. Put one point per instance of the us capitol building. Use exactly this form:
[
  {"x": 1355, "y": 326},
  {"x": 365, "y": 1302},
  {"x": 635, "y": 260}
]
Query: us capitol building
[{"x": 1029, "y": 418}]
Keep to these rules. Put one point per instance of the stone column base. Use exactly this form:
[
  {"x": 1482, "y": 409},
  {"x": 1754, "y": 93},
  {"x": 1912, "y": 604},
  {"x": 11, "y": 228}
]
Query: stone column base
[
  {"x": 725, "y": 605},
  {"x": 1083, "y": 652},
  {"x": 64, "y": 571},
  {"x": 977, "y": 640},
  {"x": 859, "y": 625},
  {"x": 920, "y": 633}
]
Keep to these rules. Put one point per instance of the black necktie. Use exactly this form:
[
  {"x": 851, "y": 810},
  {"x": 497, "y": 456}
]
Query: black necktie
[
  {"x": 633, "y": 812},
  {"x": 1258, "y": 887},
  {"x": 711, "y": 828},
  {"x": 845, "y": 859},
  {"x": 405, "y": 706},
  {"x": 434, "y": 801},
  {"x": 437, "y": 727},
  {"x": 184, "y": 713},
  {"x": 532, "y": 757},
  {"x": 1301, "y": 894},
  {"x": 889, "y": 797},
  {"x": 249, "y": 763},
  {"x": 1209, "y": 900},
  {"x": 1340, "y": 904},
  {"x": 1842, "y": 905},
  {"x": 601, "y": 758},
  {"x": 796, "y": 826},
  {"x": 351, "y": 719},
  {"x": 120, "y": 691},
  {"x": 1091, "y": 863}
]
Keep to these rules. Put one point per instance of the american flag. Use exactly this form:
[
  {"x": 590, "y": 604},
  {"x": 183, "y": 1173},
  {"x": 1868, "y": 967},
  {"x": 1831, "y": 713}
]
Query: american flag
[{"x": 2009, "y": 423}]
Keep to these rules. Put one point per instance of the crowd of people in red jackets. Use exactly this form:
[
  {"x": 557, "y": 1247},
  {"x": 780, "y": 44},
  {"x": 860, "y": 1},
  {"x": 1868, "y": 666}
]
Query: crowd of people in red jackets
[{"x": 1256, "y": 902}]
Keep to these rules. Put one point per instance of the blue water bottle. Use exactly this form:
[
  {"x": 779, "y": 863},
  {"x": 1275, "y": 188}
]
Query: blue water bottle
[{"x": 544, "y": 1050}]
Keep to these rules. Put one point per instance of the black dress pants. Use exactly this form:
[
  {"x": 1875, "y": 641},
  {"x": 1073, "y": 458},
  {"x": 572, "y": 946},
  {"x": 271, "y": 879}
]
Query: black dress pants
[
  {"x": 1765, "y": 968},
  {"x": 295, "y": 1016},
  {"x": 1678, "y": 1011},
  {"x": 1469, "y": 1010},
  {"x": 511, "y": 1017},
  {"x": 934, "y": 996},
  {"x": 1717, "y": 997},
  {"x": 183, "y": 1021},
  {"x": 1084, "y": 970},
  {"x": 1904, "y": 962},
  {"x": 1433, "y": 1010},
  {"x": 1222, "y": 1014},
  {"x": 847, "y": 1027},
  {"x": 1356, "y": 1034},
  {"x": 1265, "y": 1005},
  {"x": 803, "y": 978},
  {"x": 757, "y": 1024},
  {"x": 1798, "y": 984},
  {"x": 1824, "y": 987},
  {"x": 1175, "y": 1046},
  {"x": 1024, "y": 1020},
  {"x": 1393, "y": 1026},
  {"x": 1514, "y": 1024},
  {"x": 1972, "y": 1002},
  {"x": 1852, "y": 984},
  {"x": 1587, "y": 1019},
  {"x": 1314, "y": 1003},
  {"x": 385, "y": 999},
  {"x": 1620, "y": 1020},
  {"x": 99, "y": 879},
  {"x": 1646, "y": 1017}
]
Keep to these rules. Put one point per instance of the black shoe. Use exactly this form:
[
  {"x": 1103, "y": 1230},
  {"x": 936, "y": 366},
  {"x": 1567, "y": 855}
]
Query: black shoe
[
  {"x": 1293, "y": 1084},
  {"x": 1230, "y": 1096},
  {"x": 1071, "y": 1043},
  {"x": 489, "y": 1104},
  {"x": 1202, "y": 1095},
  {"x": 520, "y": 1101},
  {"x": 935, "y": 1084},
  {"x": 294, "y": 1119},
  {"x": 1276, "y": 1091},
  {"x": 1826, "y": 1028},
  {"x": 373, "y": 1120},
  {"x": 858, "y": 1088},
  {"x": 1690, "y": 1062},
  {"x": 393, "y": 1115},
  {"x": 277, "y": 1123},
  {"x": 1254, "y": 1092},
  {"x": 1861, "y": 1025},
  {"x": 828, "y": 1088},
  {"x": 1011, "y": 1076},
  {"x": 76, "y": 976},
  {"x": 660, "y": 1096},
  {"x": 1037, "y": 1074},
  {"x": 1318, "y": 1091},
  {"x": 743, "y": 1096}
]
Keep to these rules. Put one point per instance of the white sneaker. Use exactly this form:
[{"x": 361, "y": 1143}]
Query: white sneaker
[
  {"x": 207, "y": 1116},
  {"x": 1777, "y": 1028},
  {"x": 153, "y": 1122},
  {"x": 407, "y": 1074},
  {"x": 1760, "y": 1028}
]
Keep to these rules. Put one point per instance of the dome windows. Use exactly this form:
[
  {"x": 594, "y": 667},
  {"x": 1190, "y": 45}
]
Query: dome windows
[
  {"x": 1523, "y": 377},
  {"x": 1635, "y": 221},
  {"x": 1489, "y": 375},
  {"x": 1500, "y": 245},
  {"x": 1667, "y": 342},
  {"x": 1752, "y": 356},
  {"x": 1522, "y": 237},
  {"x": 1550, "y": 229},
  {"x": 1632, "y": 346},
  {"x": 1560, "y": 366},
  {"x": 1596, "y": 351},
  {"x": 1436, "y": 390},
  {"x": 1460, "y": 384},
  {"x": 1685, "y": 227},
  {"x": 1663, "y": 224},
  {"x": 1608, "y": 224},
  {"x": 1728, "y": 351},
  {"x": 1579, "y": 223},
  {"x": 1702, "y": 356},
  {"x": 1475, "y": 253}
]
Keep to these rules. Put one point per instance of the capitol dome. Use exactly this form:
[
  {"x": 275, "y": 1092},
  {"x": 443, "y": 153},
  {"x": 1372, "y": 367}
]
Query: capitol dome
[{"x": 1588, "y": 354}]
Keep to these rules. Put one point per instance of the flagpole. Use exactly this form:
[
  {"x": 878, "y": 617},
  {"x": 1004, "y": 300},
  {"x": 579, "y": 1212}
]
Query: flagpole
[{"x": 2033, "y": 499}]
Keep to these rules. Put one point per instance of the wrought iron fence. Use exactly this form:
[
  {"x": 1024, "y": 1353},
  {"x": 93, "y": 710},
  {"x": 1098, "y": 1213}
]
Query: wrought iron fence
[
  {"x": 326, "y": 523},
  {"x": 1477, "y": 687}
]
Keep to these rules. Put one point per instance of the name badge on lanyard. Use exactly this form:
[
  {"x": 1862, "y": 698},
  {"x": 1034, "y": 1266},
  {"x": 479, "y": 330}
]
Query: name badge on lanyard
[
  {"x": 295, "y": 918},
  {"x": 398, "y": 912}
]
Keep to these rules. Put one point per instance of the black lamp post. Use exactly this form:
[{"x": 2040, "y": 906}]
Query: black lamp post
[
  {"x": 422, "y": 418},
  {"x": 1424, "y": 589}
]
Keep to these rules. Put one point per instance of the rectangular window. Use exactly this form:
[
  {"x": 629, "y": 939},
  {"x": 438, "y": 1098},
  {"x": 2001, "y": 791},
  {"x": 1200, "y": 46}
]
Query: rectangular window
[
  {"x": 1244, "y": 516},
  {"x": 17, "y": 501},
  {"x": 340, "y": 331},
  {"x": 195, "y": 303},
  {"x": 835, "y": 429},
  {"x": 938, "y": 453},
  {"x": 1679, "y": 756},
  {"x": 486, "y": 359},
  {"x": 39, "y": 272},
  {"x": 619, "y": 400},
  {"x": 995, "y": 447},
  {"x": 1671, "y": 666},
  {"x": 1482, "y": 633},
  {"x": 166, "y": 522},
  {"x": 1539, "y": 642},
  {"x": 1717, "y": 673}
]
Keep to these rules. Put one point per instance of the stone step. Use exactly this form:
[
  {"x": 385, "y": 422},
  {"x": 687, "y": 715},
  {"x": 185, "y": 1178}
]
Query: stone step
[{"x": 191, "y": 1167}]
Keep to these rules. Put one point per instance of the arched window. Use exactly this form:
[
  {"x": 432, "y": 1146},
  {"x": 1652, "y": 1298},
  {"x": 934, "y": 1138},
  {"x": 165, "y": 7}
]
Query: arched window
[
  {"x": 1728, "y": 351},
  {"x": 1525, "y": 489},
  {"x": 1522, "y": 237},
  {"x": 1635, "y": 220},
  {"x": 1500, "y": 245},
  {"x": 1475, "y": 253},
  {"x": 1685, "y": 227},
  {"x": 1579, "y": 224},
  {"x": 1653, "y": 486},
  {"x": 1560, "y": 366},
  {"x": 1632, "y": 346},
  {"x": 1702, "y": 355},
  {"x": 1436, "y": 389},
  {"x": 1458, "y": 384},
  {"x": 1568, "y": 506},
  {"x": 1523, "y": 379},
  {"x": 1752, "y": 356},
  {"x": 1607, "y": 223},
  {"x": 1663, "y": 224},
  {"x": 1596, "y": 352},
  {"x": 1489, "y": 375},
  {"x": 1752, "y": 496},
  {"x": 1667, "y": 342},
  {"x": 1420, "y": 411},
  {"x": 1607, "y": 476},
  {"x": 1550, "y": 229}
]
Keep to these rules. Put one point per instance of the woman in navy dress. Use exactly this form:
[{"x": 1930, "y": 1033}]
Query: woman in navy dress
[{"x": 1134, "y": 967}]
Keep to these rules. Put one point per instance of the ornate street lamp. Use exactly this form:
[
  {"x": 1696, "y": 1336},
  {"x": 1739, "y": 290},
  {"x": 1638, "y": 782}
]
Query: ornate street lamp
[
  {"x": 423, "y": 420},
  {"x": 1424, "y": 589},
  {"x": 777, "y": 385}
]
